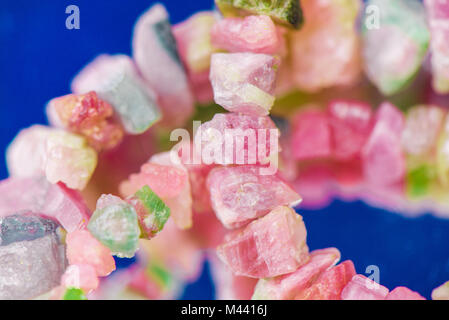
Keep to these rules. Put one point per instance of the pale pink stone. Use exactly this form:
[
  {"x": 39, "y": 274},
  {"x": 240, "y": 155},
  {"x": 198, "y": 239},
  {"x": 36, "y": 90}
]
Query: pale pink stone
[
  {"x": 244, "y": 82},
  {"x": 268, "y": 247},
  {"x": 241, "y": 194},
  {"x": 289, "y": 285},
  {"x": 107, "y": 200},
  {"x": 403, "y": 293},
  {"x": 311, "y": 136},
  {"x": 351, "y": 124},
  {"x": 83, "y": 248},
  {"x": 392, "y": 117},
  {"x": 38, "y": 195},
  {"x": 81, "y": 276},
  {"x": 156, "y": 56},
  {"x": 256, "y": 34},
  {"x": 441, "y": 293},
  {"x": 362, "y": 288}
]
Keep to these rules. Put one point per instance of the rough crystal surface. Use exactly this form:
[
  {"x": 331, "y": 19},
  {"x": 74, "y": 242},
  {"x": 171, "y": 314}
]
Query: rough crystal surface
[{"x": 362, "y": 288}]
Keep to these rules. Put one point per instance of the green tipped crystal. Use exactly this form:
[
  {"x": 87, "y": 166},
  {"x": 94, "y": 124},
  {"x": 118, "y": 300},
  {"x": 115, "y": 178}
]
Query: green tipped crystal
[
  {"x": 285, "y": 12},
  {"x": 159, "y": 274},
  {"x": 419, "y": 180},
  {"x": 116, "y": 226},
  {"x": 74, "y": 294}
]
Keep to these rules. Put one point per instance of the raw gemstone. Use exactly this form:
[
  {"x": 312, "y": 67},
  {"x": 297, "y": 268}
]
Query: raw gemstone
[
  {"x": 311, "y": 135},
  {"x": 30, "y": 268},
  {"x": 351, "y": 124},
  {"x": 86, "y": 115},
  {"x": 422, "y": 127},
  {"x": 438, "y": 20},
  {"x": 74, "y": 294},
  {"x": 325, "y": 52},
  {"x": 330, "y": 284},
  {"x": 288, "y": 286},
  {"x": 83, "y": 248},
  {"x": 382, "y": 156},
  {"x": 156, "y": 56},
  {"x": 401, "y": 28},
  {"x": 38, "y": 195},
  {"x": 285, "y": 12},
  {"x": 241, "y": 194},
  {"x": 441, "y": 293},
  {"x": 442, "y": 152},
  {"x": 244, "y": 82},
  {"x": 419, "y": 180},
  {"x": 256, "y": 34},
  {"x": 152, "y": 212},
  {"x": 25, "y": 226},
  {"x": 270, "y": 246},
  {"x": 116, "y": 81},
  {"x": 231, "y": 138},
  {"x": 362, "y": 288},
  {"x": 81, "y": 276},
  {"x": 116, "y": 226},
  {"x": 403, "y": 293}
]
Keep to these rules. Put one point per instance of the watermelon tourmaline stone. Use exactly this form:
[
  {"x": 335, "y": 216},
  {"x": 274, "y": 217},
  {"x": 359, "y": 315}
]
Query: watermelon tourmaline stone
[
  {"x": 362, "y": 288},
  {"x": 74, "y": 294},
  {"x": 270, "y": 246},
  {"x": 288, "y": 286},
  {"x": 244, "y": 82},
  {"x": 82, "y": 276},
  {"x": 403, "y": 293},
  {"x": 241, "y": 194}
]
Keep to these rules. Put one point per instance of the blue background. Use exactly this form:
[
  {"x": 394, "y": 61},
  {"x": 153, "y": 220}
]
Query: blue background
[{"x": 39, "y": 57}]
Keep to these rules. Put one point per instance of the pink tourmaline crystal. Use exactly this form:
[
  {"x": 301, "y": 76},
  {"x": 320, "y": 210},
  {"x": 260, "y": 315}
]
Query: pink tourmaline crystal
[
  {"x": 350, "y": 126},
  {"x": 403, "y": 293},
  {"x": 256, "y": 34},
  {"x": 362, "y": 288},
  {"x": 241, "y": 194},
  {"x": 382, "y": 156},
  {"x": 81, "y": 276},
  {"x": 83, "y": 248},
  {"x": 156, "y": 56},
  {"x": 311, "y": 136},
  {"x": 244, "y": 82},
  {"x": 289, "y": 285},
  {"x": 268, "y": 247}
]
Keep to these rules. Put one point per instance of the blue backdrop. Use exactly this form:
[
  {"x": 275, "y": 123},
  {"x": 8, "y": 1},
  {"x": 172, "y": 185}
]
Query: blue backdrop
[{"x": 39, "y": 57}]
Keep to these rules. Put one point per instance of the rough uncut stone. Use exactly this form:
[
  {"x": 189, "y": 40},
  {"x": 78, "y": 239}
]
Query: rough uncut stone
[
  {"x": 403, "y": 293},
  {"x": 351, "y": 124},
  {"x": 325, "y": 52},
  {"x": 74, "y": 294},
  {"x": 289, "y": 285},
  {"x": 256, "y": 34},
  {"x": 81, "y": 276},
  {"x": 268, "y": 247},
  {"x": 438, "y": 20},
  {"x": 404, "y": 35},
  {"x": 116, "y": 81},
  {"x": 156, "y": 56},
  {"x": 83, "y": 248},
  {"x": 30, "y": 268},
  {"x": 442, "y": 153},
  {"x": 244, "y": 82},
  {"x": 86, "y": 115},
  {"x": 241, "y": 194},
  {"x": 116, "y": 226},
  {"x": 285, "y": 12},
  {"x": 362, "y": 288},
  {"x": 38, "y": 195},
  {"x": 441, "y": 293}
]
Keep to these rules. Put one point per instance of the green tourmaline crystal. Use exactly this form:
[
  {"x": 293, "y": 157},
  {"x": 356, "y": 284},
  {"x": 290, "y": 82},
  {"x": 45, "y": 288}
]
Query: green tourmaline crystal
[
  {"x": 74, "y": 294},
  {"x": 419, "y": 180}
]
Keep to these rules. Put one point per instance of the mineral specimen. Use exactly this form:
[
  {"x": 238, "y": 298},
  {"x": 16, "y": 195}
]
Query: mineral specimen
[
  {"x": 442, "y": 292},
  {"x": 81, "y": 276},
  {"x": 403, "y": 293},
  {"x": 362, "y": 288}
]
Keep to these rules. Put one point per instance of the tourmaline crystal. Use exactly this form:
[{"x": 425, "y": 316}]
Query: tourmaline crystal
[
  {"x": 30, "y": 268},
  {"x": 82, "y": 276},
  {"x": 351, "y": 124},
  {"x": 289, "y": 285},
  {"x": 256, "y": 34},
  {"x": 382, "y": 156},
  {"x": 116, "y": 226},
  {"x": 38, "y": 195},
  {"x": 87, "y": 115},
  {"x": 152, "y": 212},
  {"x": 311, "y": 135},
  {"x": 74, "y": 294},
  {"x": 156, "y": 56},
  {"x": 268, "y": 247},
  {"x": 443, "y": 153},
  {"x": 441, "y": 293},
  {"x": 116, "y": 81},
  {"x": 325, "y": 51},
  {"x": 362, "y": 288},
  {"x": 83, "y": 248},
  {"x": 403, "y": 293},
  {"x": 285, "y": 12},
  {"x": 231, "y": 138},
  {"x": 400, "y": 26},
  {"x": 241, "y": 194},
  {"x": 438, "y": 20},
  {"x": 244, "y": 82}
]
